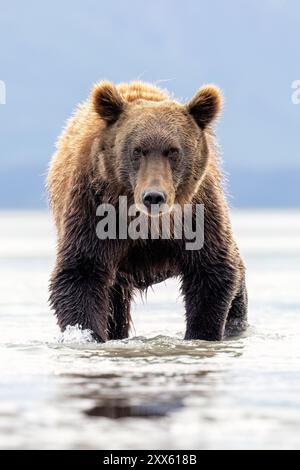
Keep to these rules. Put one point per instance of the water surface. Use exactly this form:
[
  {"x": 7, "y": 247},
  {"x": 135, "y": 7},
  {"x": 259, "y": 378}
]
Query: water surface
[{"x": 153, "y": 390}]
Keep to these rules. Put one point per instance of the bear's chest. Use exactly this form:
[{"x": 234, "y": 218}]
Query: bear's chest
[{"x": 150, "y": 263}]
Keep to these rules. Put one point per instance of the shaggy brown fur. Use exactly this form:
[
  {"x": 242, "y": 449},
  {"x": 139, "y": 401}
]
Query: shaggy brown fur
[{"x": 124, "y": 140}]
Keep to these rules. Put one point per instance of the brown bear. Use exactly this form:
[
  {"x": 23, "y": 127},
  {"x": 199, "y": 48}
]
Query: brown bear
[{"x": 134, "y": 140}]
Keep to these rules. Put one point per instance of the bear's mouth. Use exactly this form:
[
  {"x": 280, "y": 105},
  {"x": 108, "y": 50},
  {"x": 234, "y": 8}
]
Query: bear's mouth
[{"x": 154, "y": 210}]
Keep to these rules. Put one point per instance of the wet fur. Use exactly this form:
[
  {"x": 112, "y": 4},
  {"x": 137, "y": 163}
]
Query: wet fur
[{"x": 94, "y": 280}]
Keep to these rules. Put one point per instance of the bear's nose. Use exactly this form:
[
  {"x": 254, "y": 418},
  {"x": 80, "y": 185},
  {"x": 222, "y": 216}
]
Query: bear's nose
[{"x": 153, "y": 197}]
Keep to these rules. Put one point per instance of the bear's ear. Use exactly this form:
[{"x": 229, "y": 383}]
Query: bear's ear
[
  {"x": 107, "y": 101},
  {"x": 205, "y": 105}
]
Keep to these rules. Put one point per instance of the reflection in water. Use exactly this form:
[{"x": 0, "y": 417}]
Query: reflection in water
[
  {"x": 116, "y": 409},
  {"x": 131, "y": 395}
]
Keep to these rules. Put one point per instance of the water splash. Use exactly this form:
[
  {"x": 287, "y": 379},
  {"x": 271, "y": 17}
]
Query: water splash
[{"x": 76, "y": 335}]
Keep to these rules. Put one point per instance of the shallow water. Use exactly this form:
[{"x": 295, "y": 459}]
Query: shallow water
[{"x": 153, "y": 390}]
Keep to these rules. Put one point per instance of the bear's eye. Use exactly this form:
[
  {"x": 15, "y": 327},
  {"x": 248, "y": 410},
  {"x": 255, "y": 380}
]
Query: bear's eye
[
  {"x": 137, "y": 152},
  {"x": 171, "y": 152}
]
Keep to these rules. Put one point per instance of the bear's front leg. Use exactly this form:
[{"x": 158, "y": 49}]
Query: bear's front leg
[
  {"x": 79, "y": 295},
  {"x": 120, "y": 298},
  {"x": 236, "y": 321},
  {"x": 208, "y": 294}
]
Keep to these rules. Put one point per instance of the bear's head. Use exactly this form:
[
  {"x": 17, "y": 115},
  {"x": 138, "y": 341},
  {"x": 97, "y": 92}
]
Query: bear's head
[{"x": 152, "y": 146}]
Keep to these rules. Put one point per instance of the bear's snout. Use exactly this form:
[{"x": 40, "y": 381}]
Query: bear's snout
[
  {"x": 153, "y": 197},
  {"x": 154, "y": 190}
]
